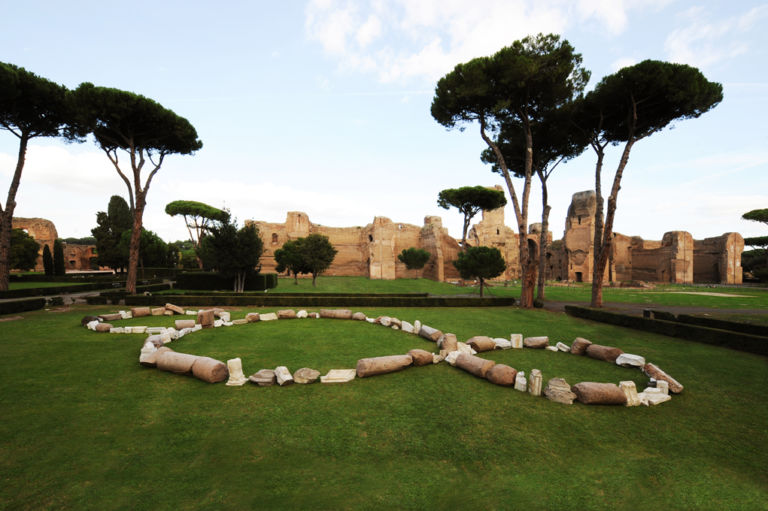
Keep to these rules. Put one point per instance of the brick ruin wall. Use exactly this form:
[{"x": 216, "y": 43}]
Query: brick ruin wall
[{"x": 76, "y": 257}]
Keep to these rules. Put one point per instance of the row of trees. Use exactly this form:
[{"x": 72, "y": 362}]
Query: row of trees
[
  {"x": 120, "y": 122},
  {"x": 529, "y": 103}
]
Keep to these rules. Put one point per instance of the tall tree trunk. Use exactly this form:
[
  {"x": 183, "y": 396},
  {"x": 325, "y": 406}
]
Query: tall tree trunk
[
  {"x": 6, "y": 215},
  {"x": 314, "y": 279},
  {"x": 133, "y": 250},
  {"x": 543, "y": 242},
  {"x": 597, "y": 243},
  {"x": 481, "y": 287}
]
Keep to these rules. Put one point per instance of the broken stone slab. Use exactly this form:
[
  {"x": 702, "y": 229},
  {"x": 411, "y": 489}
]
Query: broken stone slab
[
  {"x": 147, "y": 356},
  {"x": 117, "y": 330},
  {"x": 91, "y": 325},
  {"x": 481, "y": 343},
  {"x": 236, "y": 376},
  {"x": 653, "y": 398},
  {"x": 336, "y": 313},
  {"x": 536, "y": 342},
  {"x": 429, "y": 333},
  {"x": 138, "y": 329},
  {"x": 384, "y": 320},
  {"x": 371, "y": 320},
  {"x": 111, "y": 317},
  {"x": 450, "y": 343},
  {"x": 465, "y": 348},
  {"x": 630, "y": 391},
  {"x": 286, "y": 314},
  {"x": 270, "y": 316},
  {"x": 102, "y": 327},
  {"x": 138, "y": 312},
  {"x": 155, "y": 340},
  {"x": 559, "y": 391},
  {"x": 474, "y": 365},
  {"x": 206, "y": 318},
  {"x": 263, "y": 378},
  {"x": 521, "y": 383},
  {"x": 535, "y": 382},
  {"x": 125, "y": 314},
  {"x": 629, "y": 360},
  {"x": 252, "y": 317},
  {"x": 283, "y": 376},
  {"x": 421, "y": 357},
  {"x": 394, "y": 322},
  {"x": 416, "y": 327},
  {"x": 190, "y": 312},
  {"x": 155, "y": 330},
  {"x": 338, "y": 376},
  {"x": 242, "y": 321},
  {"x": 437, "y": 358},
  {"x": 561, "y": 346},
  {"x": 179, "y": 363},
  {"x": 551, "y": 348},
  {"x": 174, "y": 308},
  {"x": 502, "y": 374},
  {"x": 663, "y": 386},
  {"x": 502, "y": 344},
  {"x": 359, "y": 316},
  {"x": 158, "y": 311},
  {"x": 184, "y": 323},
  {"x": 516, "y": 340},
  {"x": 592, "y": 393},
  {"x": 604, "y": 353},
  {"x": 314, "y": 315},
  {"x": 306, "y": 376},
  {"x": 382, "y": 365},
  {"x": 406, "y": 327},
  {"x": 653, "y": 371},
  {"x": 452, "y": 356},
  {"x": 302, "y": 314},
  {"x": 579, "y": 346},
  {"x": 167, "y": 313},
  {"x": 209, "y": 370}
]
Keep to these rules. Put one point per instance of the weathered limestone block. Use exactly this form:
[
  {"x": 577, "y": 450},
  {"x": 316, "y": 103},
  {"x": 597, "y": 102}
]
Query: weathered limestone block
[
  {"x": 551, "y": 348},
  {"x": 251, "y": 317},
  {"x": 450, "y": 343},
  {"x": 579, "y": 346},
  {"x": 155, "y": 330},
  {"x": 663, "y": 386},
  {"x": 166, "y": 312},
  {"x": 286, "y": 314},
  {"x": 474, "y": 365},
  {"x": 155, "y": 340},
  {"x": 138, "y": 312},
  {"x": 559, "y": 391},
  {"x": 91, "y": 325},
  {"x": 102, "y": 327},
  {"x": 647, "y": 397},
  {"x": 652, "y": 371},
  {"x": 306, "y": 375},
  {"x": 236, "y": 376},
  {"x": 421, "y": 357},
  {"x": 430, "y": 333},
  {"x": 205, "y": 318},
  {"x": 125, "y": 314},
  {"x": 158, "y": 311},
  {"x": 535, "y": 382},
  {"x": 536, "y": 342},
  {"x": 138, "y": 329},
  {"x": 605, "y": 353},
  {"x": 591, "y": 393},
  {"x": 270, "y": 316},
  {"x": 521, "y": 383},
  {"x": 336, "y": 313},
  {"x": 111, "y": 317},
  {"x": 184, "y": 323},
  {"x": 561, "y": 346},
  {"x": 406, "y": 327},
  {"x": 338, "y": 376},
  {"x": 416, "y": 326},
  {"x": 302, "y": 314},
  {"x": 516, "y": 340},
  {"x": 241, "y": 321},
  {"x": 629, "y": 360},
  {"x": 502, "y": 344},
  {"x": 209, "y": 370},
  {"x": 382, "y": 365},
  {"x": 502, "y": 374},
  {"x": 437, "y": 358},
  {"x": 359, "y": 316},
  {"x": 283, "y": 376},
  {"x": 630, "y": 391},
  {"x": 452, "y": 356},
  {"x": 190, "y": 312},
  {"x": 394, "y": 322},
  {"x": 263, "y": 378},
  {"x": 465, "y": 348},
  {"x": 179, "y": 363},
  {"x": 174, "y": 308},
  {"x": 114, "y": 330},
  {"x": 481, "y": 343},
  {"x": 384, "y": 320},
  {"x": 225, "y": 316},
  {"x": 148, "y": 355}
]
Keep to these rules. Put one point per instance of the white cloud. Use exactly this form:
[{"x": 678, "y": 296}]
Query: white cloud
[
  {"x": 623, "y": 62},
  {"x": 424, "y": 39},
  {"x": 702, "y": 42}
]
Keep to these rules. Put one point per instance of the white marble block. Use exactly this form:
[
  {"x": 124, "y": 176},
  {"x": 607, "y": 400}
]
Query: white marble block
[
  {"x": 663, "y": 386},
  {"x": 502, "y": 344},
  {"x": 269, "y": 316},
  {"x": 521, "y": 383},
  {"x": 629, "y": 360},
  {"x": 406, "y": 327},
  {"x": 236, "y": 376},
  {"x": 516, "y": 340},
  {"x": 629, "y": 389},
  {"x": 302, "y": 314},
  {"x": 561, "y": 346},
  {"x": 534, "y": 382},
  {"x": 339, "y": 376},
  {"x": 551, "y": 348},
  {"x": 283, "y": 376}
]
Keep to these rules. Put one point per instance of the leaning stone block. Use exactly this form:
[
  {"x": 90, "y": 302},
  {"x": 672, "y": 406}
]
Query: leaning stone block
[
  {"x": 605, "y": 353},
  {"x": 283, "y": 376},
  {"x": 502, "y": 344},
  {"x": 338, "y": 376},
  {"x": 561, "y": 346},
  {"x": 437, "y": 357},
  {"x": 217, "y": 323},
  {"x": 406, "y": 327},
  {"x": 336, "y": 313},
  {"x": 138, "y": 312},
  {"x": 158, "y": 311},
  {"x": 184, "y": 323},
  {"x": 210, "y": 370},
  {"x": 382, "y": 365},
  {"x": 559, "y": 391},
  {"x": 148, "y": 356},
  {"x": 591, "y": 393},
  {"x": 516, "y": 340},
  {"x": 536, "y": 342},
  {"x": 652, "y": 371},
  {"x": 155, "y": 340},
  {"x": 174, "y": 308},
  {"x": 629, "y": 360},
  {"x": 421, "y": 357},
  {"x": 263, "y": 378},
  {"x": 579, "y": 346},
  {"x": 205, "y": 318},
  {"x": 450, "y": 343},
  {"x": 371, "y": 320},
  {"x": 242, "y": 321},
  {"x": 88, "y": 319},
  {"x": 102, "y": 327},
  {"x": 452, "y": 356},
  {"x": 521, "y": 383},
  {"x": 481, "y": 343},
  {"x": 179, "y": 363},
  {"x": 306, "y": 375},
  {"x": 474, "y": 365},
  {"x": 252, "y": 317},
  {"x": 535, "y": 382},
  {"x": 286, "y": 314},
  {"x": 416, "y": 326},
  {"x": 630, "y": 391},
  {"x": 270, "y": 316},
  {"x": 236, "y": 376},
  {"x": 429, "y": 333},
  {"x": 502, "y": 374}
]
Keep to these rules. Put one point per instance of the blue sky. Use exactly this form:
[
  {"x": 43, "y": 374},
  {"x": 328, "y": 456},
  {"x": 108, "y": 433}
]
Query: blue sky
[{"x": 323, "y": 106}]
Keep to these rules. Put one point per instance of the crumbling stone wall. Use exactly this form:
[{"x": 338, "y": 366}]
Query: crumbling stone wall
[
  {"x": 42, "y": 230},
  {"x": 718, "y": 259}
]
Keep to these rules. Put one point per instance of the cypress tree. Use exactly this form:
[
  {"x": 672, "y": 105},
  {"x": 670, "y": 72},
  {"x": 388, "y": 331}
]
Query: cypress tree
[
  {"x": 47, "y": 260},
  {"x": 58, "y": 258}
]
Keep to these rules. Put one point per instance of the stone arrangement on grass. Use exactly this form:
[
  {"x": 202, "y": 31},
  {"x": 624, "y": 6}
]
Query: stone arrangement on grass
[{"x": 155, "y": 353}]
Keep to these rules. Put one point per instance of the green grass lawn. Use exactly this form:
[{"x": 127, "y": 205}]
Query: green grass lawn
[
  {"x": 33, "y": 285},
  {"x": 85, "y": 426}
]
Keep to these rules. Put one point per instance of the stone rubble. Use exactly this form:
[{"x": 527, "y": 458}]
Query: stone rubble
[
  {"x": 236, "y": 376},
  {"x": 283, "y": 376},
  {"x": 534, "y": 382},
  {"x": 629, "y": 360},
  {"x": 521, "y": 383},
  {"x": 559, "y": 391},
  {"x": 338, "y": 376}
]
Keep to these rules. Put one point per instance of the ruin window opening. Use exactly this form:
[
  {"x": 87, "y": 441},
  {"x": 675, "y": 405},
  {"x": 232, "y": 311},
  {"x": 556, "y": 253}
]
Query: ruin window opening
[
  {"x": 274, "y": 238},
  {"x": 579, "y": 278},
  {"x": 497, "y": 232},
  {"x": 579, "y": 218},
  {"x": 370, "y": 237}
]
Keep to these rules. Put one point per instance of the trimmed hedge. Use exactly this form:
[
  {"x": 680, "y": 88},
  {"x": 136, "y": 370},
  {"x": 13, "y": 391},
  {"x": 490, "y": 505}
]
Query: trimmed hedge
[
  {"x": 230, "y": 293},
  {"x": 16, "y": 306},
  {"x": 288, "y": 300},
  {"x": 723, "y": 324},
  {"x": 149, "y": 285},
  {"x": 734, "y": 340},
  {"x": 211, "y": 281}
]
